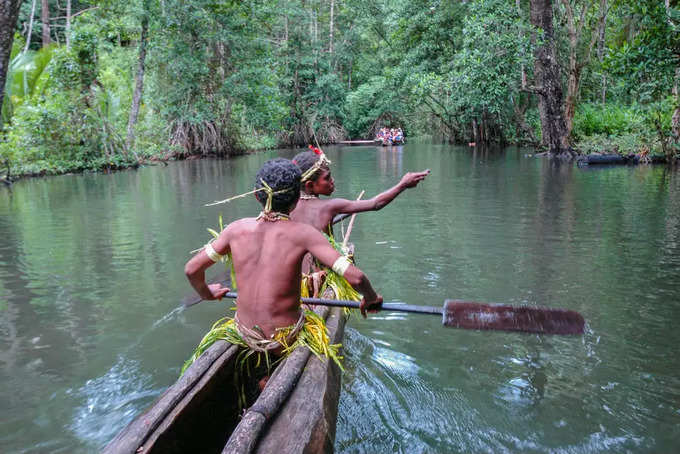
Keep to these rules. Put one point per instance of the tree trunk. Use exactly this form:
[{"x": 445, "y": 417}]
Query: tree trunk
[
  {"x": 315, "y": 40},
  {"x": 484, "y": 129},
  {"x": 600, "y": 49},
  {"x": 575, "y": 31},
  {"x": 68, "y": 24},
  {"x": 139, "y": 85},
  {"x": 573, "y": 82},
  {"x": 349, "y": 76},
  {"x": 330, "y": 34},
  {"x": 547, "y": 73},
  {"x": 30, "y": 28},
  {"x": 520, "y": 110},
  {"x": 45, "y": 16},
  {"x": 675, "y": 119},
  {"x": 9, "y": 12},
  {"x": 520, "y": 107},
  {"x": 523, "y": 80}
]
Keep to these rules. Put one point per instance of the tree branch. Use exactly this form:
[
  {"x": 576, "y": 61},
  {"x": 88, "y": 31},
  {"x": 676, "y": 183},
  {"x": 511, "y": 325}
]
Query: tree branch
[
  {"x": 540, "y": 91},
  {"x": 52, "y": 19}
]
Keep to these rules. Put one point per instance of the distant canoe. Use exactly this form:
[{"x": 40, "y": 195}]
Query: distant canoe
[
  {"x": 199, "y": 413},
  {"x": 389, "y": 142},
  {"x": 357, "y": 142}
]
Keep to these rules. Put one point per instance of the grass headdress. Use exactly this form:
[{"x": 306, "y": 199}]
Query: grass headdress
[
  {"x": 265, "y": 188},
  {"x": 320, "y": 162},
  {"x": 279, "y": 180}
]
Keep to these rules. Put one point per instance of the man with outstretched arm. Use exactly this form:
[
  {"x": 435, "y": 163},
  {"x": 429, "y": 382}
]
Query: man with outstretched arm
[
  {"x": 266, "y": 253},
  {"x": 319, "y": 213},
  {"x": 317, "y": 180}
]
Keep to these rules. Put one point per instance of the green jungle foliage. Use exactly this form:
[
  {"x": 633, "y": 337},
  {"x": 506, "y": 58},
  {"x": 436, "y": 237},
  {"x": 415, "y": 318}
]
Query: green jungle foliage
[{"x": 222, "y": 78}]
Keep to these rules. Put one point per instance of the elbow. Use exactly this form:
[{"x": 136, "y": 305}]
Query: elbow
[
  {"x": 189, "y": 270},
  {"x": 356, "y": 278}
]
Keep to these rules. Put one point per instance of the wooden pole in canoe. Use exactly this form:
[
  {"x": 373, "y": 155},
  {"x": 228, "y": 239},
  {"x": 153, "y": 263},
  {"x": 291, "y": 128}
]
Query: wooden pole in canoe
[
  {"x": 345, "y": 239},
  {"x": 280, "y": 385}
]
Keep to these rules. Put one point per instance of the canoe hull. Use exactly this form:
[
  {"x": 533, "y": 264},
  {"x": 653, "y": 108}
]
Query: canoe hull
[
  {"x": 307, "y": 421},
  {"x": 200, "y": 411}
]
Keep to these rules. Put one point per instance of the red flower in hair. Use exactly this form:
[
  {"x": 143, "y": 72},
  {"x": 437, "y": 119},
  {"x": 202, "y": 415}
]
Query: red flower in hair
[{"x": 315, "y": 150}]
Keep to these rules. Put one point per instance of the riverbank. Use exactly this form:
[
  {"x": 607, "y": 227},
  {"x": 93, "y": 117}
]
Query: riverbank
[{"x": 43, "y": 168}]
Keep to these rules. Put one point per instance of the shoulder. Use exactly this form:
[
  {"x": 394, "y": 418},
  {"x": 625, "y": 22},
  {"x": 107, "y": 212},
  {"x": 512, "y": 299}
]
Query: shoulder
[
  {"x": 239, "y": 226},
  {"x": 336, "y": 203},
  {"x": 300, "y": 228},
  {"x": 302, "y": 231},
  {"x": 319, "y": 207}
]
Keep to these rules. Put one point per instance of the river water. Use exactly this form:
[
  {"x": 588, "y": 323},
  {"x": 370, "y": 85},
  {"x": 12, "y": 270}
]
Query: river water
[{"x": 91, "y": 278}]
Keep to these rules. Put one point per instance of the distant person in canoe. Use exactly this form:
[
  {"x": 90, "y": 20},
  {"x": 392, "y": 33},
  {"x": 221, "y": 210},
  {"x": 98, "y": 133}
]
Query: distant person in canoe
[
  {"x": 387, "y": 136},
  {"x": 398, "y": 137},
  {"x": 266, "y": 253}
]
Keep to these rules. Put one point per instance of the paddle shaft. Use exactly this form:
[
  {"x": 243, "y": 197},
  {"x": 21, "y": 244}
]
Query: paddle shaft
[
  {"x": 396, "y": 307},
  {"x": 481, "y": 316},
  {"x": 340, "y": 217}
]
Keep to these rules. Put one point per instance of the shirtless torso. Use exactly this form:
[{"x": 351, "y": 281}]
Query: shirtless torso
[{"x": 267, "y": 259}]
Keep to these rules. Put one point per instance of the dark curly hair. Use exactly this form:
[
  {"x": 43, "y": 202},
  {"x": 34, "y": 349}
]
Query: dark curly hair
[
  {"x": 279, "y": 174},
  {"x": 305, "y": 161}
]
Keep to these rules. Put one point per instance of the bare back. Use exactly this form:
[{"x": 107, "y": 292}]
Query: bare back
[{"x": 267, "y": 258}]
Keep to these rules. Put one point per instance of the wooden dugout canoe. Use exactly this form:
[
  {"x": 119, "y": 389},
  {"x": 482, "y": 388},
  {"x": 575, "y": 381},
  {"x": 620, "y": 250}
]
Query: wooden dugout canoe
[{"x": 295, "y": 413}]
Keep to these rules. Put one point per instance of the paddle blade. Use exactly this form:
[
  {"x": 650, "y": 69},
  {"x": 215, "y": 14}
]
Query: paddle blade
[{"x": 541, "y": 320}]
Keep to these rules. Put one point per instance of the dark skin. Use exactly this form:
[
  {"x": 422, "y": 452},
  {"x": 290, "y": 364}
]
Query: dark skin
[
  {"x": 320, "y": 212},
  {"x": 267, "y": 258}
]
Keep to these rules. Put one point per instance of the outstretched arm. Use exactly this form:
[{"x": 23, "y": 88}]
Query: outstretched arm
[
  {"x": 317, "y": 245},
  {"x": 409, "y": 180},
  {"x": 196, "y": 266}
]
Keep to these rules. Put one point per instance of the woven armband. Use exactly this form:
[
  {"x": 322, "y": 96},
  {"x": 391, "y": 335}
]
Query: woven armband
[
  {"x": 341, "y": 265},
  {"x": 212, "y": 254}
]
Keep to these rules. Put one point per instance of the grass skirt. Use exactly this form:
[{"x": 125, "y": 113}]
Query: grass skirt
[{"x": 313, "y": 335}]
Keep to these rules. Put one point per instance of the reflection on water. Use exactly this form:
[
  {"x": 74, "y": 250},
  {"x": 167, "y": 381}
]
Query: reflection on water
[{"x": 91, "y": 277}]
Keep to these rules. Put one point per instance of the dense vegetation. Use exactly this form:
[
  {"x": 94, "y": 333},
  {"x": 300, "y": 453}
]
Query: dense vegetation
[{"x": 96, "y": 84}]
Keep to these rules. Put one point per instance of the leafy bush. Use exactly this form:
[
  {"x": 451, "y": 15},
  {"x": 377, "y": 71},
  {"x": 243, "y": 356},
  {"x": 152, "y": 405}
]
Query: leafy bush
[
  {"x": 26, "y": 77},
  {"x": 609, "y": 119},
  {"x": 625, "y": 143},
  {"x": 75, "y": 68},
  {"x": 621, "y": 129}
]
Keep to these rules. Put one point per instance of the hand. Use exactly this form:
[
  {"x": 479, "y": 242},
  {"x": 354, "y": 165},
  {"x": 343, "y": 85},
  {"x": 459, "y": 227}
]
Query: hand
[
  {"x": 411, "y": 179},
  {"x": 372, "y": 306},
  {"x": 217, "y": 291}
]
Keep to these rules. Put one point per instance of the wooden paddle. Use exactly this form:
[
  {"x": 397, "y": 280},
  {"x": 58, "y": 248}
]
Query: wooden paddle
[{"x": 473, "y": 315}]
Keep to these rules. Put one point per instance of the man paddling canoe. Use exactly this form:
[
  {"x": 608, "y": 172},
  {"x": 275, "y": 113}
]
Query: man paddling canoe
[{"x": 266, "y": 253}]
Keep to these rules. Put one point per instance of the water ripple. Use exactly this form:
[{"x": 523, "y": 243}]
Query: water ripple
[{"x": 110, "y": 402}]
